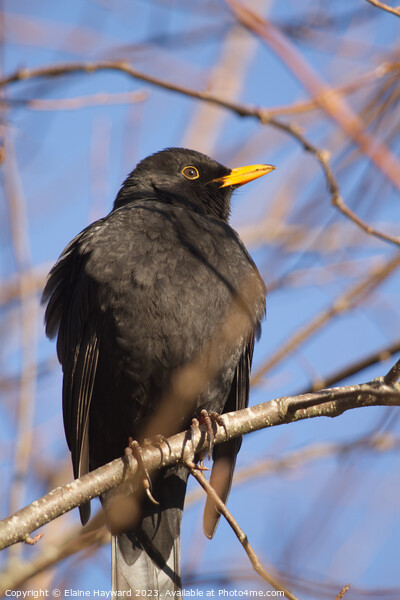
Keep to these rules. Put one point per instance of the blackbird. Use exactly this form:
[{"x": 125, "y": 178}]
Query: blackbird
[{"x": 156, "y": 307}]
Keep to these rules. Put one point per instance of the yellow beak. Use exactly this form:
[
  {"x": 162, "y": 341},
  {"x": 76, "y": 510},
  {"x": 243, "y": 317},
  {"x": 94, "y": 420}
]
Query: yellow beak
[{"x": 243, "y": 175}]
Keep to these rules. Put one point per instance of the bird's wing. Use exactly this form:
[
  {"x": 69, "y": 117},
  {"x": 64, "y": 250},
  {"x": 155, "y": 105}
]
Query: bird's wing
[
  {"x": 71, "y": 311},
  {"x": 224, "y": 455}
]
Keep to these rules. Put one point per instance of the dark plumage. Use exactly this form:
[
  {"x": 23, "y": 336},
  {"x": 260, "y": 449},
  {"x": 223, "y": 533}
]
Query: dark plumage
[{"x": 134, "y": 298}]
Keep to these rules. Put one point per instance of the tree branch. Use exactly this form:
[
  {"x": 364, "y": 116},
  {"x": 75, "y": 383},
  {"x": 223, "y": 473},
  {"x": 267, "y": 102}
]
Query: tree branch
[
  {"x": 95, "y": 533},
  {"x": 342, "y": 592},
  {"x": 76, "y": 539},
  {"x": 383, "y": 6},
  {"x": 354, "y": 368},
  {"x": 327, "y": 403},
  {"x": 241, "y": 536}
]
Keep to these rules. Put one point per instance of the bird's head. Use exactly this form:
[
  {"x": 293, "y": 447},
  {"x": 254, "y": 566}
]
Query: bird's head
[{"x": 187, "y": 177}]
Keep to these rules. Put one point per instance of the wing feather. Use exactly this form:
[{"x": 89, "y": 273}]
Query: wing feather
[{"x": 72, "y": 312}]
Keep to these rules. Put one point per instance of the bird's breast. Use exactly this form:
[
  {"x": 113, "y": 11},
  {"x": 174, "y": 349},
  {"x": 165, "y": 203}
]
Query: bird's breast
[{"x": 167, "y": 277}]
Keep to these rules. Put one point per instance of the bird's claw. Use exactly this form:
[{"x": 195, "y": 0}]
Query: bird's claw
[
  {"x": 158, "y": 440},
  {"x": 206, "y": 418},
  {"x": 197, "y": 467},
  {"x": 135, "y": 450}
]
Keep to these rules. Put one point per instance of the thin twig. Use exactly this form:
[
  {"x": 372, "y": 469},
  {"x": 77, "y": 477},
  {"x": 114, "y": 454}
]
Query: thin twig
[
  {"x": 393, "y": 375},
  {"x": 323, "y": 157},
  {"x": 122, "y": 66},
  {"x": 342, "y": 592},
  {"x": 383, "y": 6},
  {"x": 354, "y": 368},
  {"x": 293, "y": 460},
  {"x": 241, "y": 536},
  {"x": 341, "y": 90},
  {"x": 80, "y": 102},
  {"x": 74, "y": 540}
]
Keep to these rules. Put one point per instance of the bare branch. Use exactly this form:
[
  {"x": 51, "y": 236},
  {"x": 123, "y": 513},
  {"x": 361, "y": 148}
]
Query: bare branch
[
  {"x": 241, "y": 536},
  {"x": 76, "y": 539},
  {"x": 354, "y": 368},
  {"x": 393, "y": 375},
  {"x": 293, "y": 460},
  {"x": 79, "y": 102},
  {"x": 344, "y": 89},
  {"x": 95, "y": 533},
  {"x": 383, "y": 6},
  {"x": 93, "y": 67},
  {"x": 328, "y": 403},
  {"x": 342, "y": 592}
]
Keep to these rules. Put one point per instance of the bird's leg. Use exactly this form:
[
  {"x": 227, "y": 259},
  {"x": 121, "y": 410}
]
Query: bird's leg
[
  {"x": 135, "y": 450},
  {"x": 207, "y": 418},
  {"x": 190, "y": 437}
]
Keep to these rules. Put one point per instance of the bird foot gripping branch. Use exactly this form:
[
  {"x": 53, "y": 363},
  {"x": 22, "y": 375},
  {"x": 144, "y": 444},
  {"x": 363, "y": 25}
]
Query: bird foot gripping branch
[
  {"x": 207, "y": 418},
  {"x": 134, "y": 450}
]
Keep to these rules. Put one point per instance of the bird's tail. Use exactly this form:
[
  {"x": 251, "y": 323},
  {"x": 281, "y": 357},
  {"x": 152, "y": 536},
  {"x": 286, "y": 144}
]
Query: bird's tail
[
  {"x": 147, "y": 560},
  {"x": 137, "y": 571}
]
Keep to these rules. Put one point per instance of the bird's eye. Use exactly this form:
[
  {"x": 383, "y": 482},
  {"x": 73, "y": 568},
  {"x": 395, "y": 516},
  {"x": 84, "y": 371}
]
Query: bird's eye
[{"x": 190, "y": 172}]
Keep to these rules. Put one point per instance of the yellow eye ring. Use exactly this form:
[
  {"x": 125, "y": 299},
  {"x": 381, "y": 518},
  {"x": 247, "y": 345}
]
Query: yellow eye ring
[{"x": 190, "y": 172}]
